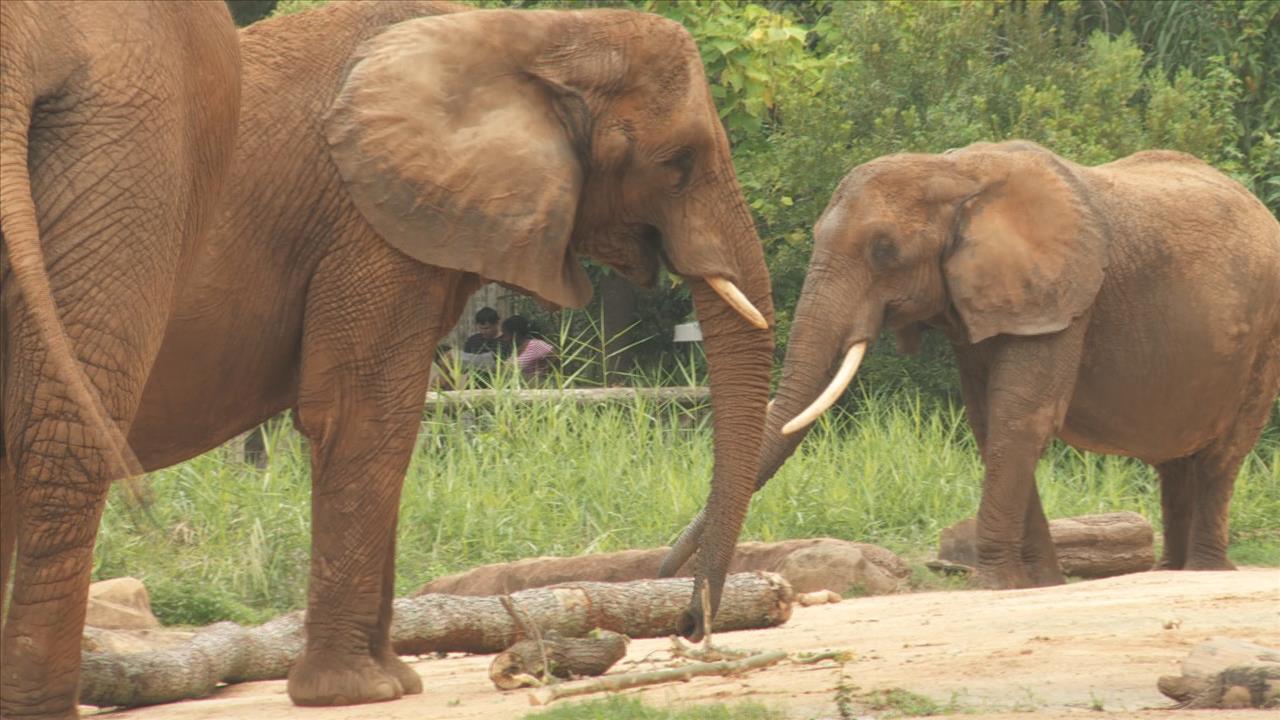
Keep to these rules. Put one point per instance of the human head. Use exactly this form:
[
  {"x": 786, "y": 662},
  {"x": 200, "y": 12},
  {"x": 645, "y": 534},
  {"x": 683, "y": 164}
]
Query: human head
[
  {"x": 515, "y": 328},
  {"x": 487, "y": 321}
]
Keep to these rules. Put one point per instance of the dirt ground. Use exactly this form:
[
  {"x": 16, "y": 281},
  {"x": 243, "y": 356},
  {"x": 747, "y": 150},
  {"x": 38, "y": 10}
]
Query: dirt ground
[{"x": 1057, "y": 652}]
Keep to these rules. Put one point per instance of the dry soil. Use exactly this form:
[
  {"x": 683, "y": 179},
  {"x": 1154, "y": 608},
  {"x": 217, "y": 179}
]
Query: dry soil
[{"x": 1055, "y": 652}]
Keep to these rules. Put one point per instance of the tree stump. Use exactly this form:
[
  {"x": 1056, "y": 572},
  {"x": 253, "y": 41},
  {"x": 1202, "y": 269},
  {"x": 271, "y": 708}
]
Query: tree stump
[
  {"x": 523, "y": 663},
  {"x": 1228, "y": 674},
  {"x": 1089, "y": 546}
]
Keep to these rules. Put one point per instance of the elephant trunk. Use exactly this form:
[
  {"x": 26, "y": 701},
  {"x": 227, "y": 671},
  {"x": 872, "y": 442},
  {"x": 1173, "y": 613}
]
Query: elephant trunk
[
  {"x": 739, "y": 358},
  {"x": 818, "y": 340}
]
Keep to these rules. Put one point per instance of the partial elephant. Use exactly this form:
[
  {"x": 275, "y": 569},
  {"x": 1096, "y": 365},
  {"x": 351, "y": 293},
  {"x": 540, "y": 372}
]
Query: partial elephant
[
  {"x": 392, "y": 157},
  {"x": 1131, "y": 308},
  {"x": 118, "y": 122}
]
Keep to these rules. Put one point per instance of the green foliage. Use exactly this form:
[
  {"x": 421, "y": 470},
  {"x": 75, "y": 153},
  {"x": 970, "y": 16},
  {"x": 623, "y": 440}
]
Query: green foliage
[
  {"x": 499, "y": 482},
  {"x": 808, "y": 89}
]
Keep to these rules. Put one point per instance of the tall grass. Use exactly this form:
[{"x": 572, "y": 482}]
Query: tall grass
[{"x": 508, "y": 480}]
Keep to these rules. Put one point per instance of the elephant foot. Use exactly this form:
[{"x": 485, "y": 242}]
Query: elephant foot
[
  {"x": 1045, "y": 574},
  {"x": 1002, "y": 578},
  {"x": 47, "y": 710},
  {"x": 325, "y": 678},
  {"x": 1209, "y": 562},
  {"x": 409, "y": 679}
]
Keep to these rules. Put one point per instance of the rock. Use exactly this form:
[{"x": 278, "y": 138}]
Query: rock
[
  {"x": 1088, "y": 546},
  {"x": 120, "y": 603},
  {"x": 808, "y": 564},
  {"x": 1226, "y": 673}
]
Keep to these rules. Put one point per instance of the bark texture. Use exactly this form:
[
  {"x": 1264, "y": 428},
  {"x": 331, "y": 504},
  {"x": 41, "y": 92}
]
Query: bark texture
[
  {"x": 521, "y": 664},
  {"x": 229, "y": 653},
  {"x": 808, "y": 565},
  {"x": 1088, "y": 546},
  {"x": 1228, "y": 674}
]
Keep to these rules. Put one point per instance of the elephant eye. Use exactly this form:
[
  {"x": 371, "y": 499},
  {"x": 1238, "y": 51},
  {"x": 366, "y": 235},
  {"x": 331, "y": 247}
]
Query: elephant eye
[
  {"x": 682, "y": 162},
  {"x": 884, "y": 252}
]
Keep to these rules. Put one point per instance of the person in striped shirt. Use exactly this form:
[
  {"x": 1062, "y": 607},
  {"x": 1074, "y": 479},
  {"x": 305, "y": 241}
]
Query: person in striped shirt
[{"x": 533, "y": 355}]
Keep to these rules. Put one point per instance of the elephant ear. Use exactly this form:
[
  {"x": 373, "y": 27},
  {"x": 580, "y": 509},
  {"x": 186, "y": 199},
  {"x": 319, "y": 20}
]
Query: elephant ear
[
  {"x": 1028, "y": 254},
  {"x": 459, "y": 156}
]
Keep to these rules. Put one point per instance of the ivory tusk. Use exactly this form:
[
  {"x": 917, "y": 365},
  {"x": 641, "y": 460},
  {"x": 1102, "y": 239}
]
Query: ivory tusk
[
  {"x": 843, "y": 377},
  {"x": 736, "y": 300}
]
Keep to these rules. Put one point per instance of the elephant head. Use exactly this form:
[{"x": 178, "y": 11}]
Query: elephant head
[
  {"x": 506, "y": 144},
  {"x": 991, "y": 239}
]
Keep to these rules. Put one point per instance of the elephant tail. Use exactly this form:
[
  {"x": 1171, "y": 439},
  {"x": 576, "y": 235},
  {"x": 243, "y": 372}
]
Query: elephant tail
[{"x": 19, "y": 228}]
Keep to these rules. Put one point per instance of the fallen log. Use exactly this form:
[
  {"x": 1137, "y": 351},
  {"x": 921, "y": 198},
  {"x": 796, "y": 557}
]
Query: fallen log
[
  {"x": 1228, "y": 674},
  {"x": 1088, "y": 546},
  {"x": 229, "y": 653},
  {"x": 809, "y": 564},
  {"x": 529, "y": 661}
]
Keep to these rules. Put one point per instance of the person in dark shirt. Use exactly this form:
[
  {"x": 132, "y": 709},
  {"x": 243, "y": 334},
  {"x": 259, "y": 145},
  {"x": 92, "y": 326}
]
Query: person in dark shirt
[{"x": 487, "y": 337}]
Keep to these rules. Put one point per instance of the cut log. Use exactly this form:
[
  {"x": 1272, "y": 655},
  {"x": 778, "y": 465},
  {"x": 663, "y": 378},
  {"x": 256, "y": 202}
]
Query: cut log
[
  {"x": 809, "y": 565},
  {"x": 1089, "y": 546},
  {"x": 588, "y": 656},
  {"x": 229, "y": 653},
  {"x": 1228, "y": 674}
]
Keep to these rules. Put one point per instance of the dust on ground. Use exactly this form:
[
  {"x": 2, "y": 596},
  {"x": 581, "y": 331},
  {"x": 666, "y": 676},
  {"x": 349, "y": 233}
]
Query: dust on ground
[{"x": 1058, "y": 652}]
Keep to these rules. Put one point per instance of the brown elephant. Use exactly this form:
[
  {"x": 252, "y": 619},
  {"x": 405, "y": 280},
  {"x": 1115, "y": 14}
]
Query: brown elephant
[
  {"x": 391, "y": 158},
  {"x": 117, "y": 123},
  {"x": 1131, "y": 308}
]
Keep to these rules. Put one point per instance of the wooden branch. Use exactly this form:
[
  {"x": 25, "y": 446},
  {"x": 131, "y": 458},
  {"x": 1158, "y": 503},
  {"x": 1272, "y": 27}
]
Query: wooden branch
[
  {"x": 624, "y": 681},
  {"x": 226, "y": 652},
  {"x": 560, "y": 657}
]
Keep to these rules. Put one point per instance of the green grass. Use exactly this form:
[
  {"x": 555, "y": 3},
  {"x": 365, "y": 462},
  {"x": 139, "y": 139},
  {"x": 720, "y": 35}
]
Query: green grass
[{"x": 225, "y": 540}]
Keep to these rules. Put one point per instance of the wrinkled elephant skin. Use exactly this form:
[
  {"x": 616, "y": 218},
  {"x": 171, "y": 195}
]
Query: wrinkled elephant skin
[
  {"x": 117, "y": 124},
  {"x": 393, "y": 157}
]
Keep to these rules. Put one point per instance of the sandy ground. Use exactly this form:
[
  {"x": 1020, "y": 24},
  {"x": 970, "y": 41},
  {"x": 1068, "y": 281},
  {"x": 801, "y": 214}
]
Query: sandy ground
[{"x": 1056, "y": 652}]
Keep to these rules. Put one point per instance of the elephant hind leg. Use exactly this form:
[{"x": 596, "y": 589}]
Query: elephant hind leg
[
  {"x": 372, "y": 319},
  {"x": 1176, "y": 500},
  {"x": 1196, "y": 490}
]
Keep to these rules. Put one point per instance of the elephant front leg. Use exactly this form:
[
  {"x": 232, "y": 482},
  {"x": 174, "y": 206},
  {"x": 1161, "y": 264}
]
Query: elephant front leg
[
  {"x": 372, "y": 319},
  {"x": 1037, "y": 555},
  {"x": 1028, "y": 389}
]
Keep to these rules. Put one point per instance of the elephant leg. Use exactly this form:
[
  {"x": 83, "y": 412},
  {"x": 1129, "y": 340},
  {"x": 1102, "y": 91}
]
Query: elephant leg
[
  {"x": 372, "y": 320},
  {"x": 1039, "y": 556},
  {"x": 1176, "y": 500},
  {"x": 1198, "y": 504},
  {"x": 58, "y": 523},
  {"x": 1029, "y": 389}
]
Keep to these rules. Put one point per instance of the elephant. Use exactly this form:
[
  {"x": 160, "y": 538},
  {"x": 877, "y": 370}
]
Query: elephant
[
  {"x": 1130, "y": 308},
  {"x": 117, "y": 124},
  {"x": 391, "y": 158}
]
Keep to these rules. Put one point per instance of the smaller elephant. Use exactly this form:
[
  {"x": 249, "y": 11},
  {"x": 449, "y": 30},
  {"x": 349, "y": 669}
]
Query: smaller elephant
[{"x": 1131, "y": 308}]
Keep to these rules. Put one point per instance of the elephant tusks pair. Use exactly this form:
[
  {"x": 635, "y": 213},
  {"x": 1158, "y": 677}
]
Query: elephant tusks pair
[
  {"x": 843, "y": 377},
  {"x": 736, "y": 300}
]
